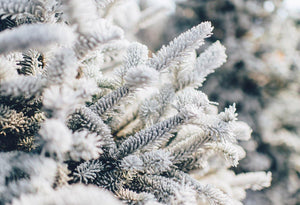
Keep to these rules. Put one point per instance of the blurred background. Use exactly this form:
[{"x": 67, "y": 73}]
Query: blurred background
[{"x": 262, "y": 76}]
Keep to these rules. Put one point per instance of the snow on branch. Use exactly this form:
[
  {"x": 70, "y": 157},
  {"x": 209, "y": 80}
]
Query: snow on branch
[
  {"x": 35, "y": 36},
  {"x": 102, "y": 32},
  {"x": 22, "y": 8},
  {"x": 209, "y": 60},
  {"x": 177, "y": 49},
  {"x": 155, "y": 132}
]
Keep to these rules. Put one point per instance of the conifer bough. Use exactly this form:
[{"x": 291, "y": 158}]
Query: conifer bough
[{"x": 69, "y": 81}]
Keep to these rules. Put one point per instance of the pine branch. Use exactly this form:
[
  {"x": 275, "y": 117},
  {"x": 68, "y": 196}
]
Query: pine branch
[
  {"x": 212, "y": 58},
  {"x": 162, "y": 187},
  {"x": 155, "y": 132},
  {"x": 176, "y": 51},
  {"x": 211, "y": 194},
  {"x": 86, "y": 172},
  {"x": 253, "y": 180},
  {"x": 232, "y": 153},
  {"x": 185, "y": 153},
  {"x": 132, "y": 197},
  {"x": 80, "y": 13},
  {"x": 22, "y": 9},
  {"x": 21, "y": 90},
  {"x": 55, "y": 139},
  {"x": 8, "y": 70},
  {"x": 13, "y": 122},
  {"x": 136, "y": 55},
  {"x": 86, "y": 146},
  {"x": 32, "y": 63},
  {"x": 155, "y": 162},
  {"x": 103, "y": 3},
  {"x": 152, "y": 109},
  {"x": 107, "y": 102},
  {"x": 103, "y": 32},
  {"x": 136, "y": 77},
  {"x": 85, "y": 118},
  {"x": 62, "y": 67},
  {"x": 35, "y": 36}
]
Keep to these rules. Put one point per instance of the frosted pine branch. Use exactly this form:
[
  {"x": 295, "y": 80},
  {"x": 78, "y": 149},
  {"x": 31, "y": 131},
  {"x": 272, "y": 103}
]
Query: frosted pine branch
[
  {"x": 108, "y": 101},
  {"x": 103, "y": 32},
  {"x": 229, "y": 115},
  {"x": 144, "y": 137},
  {"x": 56, "y": 138},
  {"x": 220, "y": 128},
  {"x": 15, "y": 122},
  {"x": 24, "y": 174},
  {"x": 212, "y": 58},
  {"x": 85, "y": 118},
  {"x": 186, "y": 195},
  {"x": 103, "y": 3},
  {"x": 133, "y": 197},
  {"x": 8, "y": 70},
  {"x": 21, "y": 89},
  {"x": 32, "y": 63},
  {"x": 132, "y": 162},
  {"x": 161, "y": 187},
  {"x": 21, "y": 8},
  {"x": 154, "y": 107},
  {"x": 231, "y": 152},
  {"x": 62, "y": 67},
  {"x": 185, "y": 153},
  {"x": 86, "y": 172},
  {"x": 241, "y": 130},
  {"x": 136, "y": 54},
  {"x": 208, "y": 193},
  {"x": 86, "y": 146},
  {"x": 76, "y": 194},
  {"x": 140, "y": 76},
  {"x": 192, "y": 97},
  {"x": 35, "y": 36},
  {"x": 80, "y": 13},
  {"x": 59, "y": 101},
  {"x": 209, "y": 60},
  {"x": 154, "y": 162},
  {"x": 180, "y": 46},
  {"x": 135, "y": 78},
  {"x": 253, "y": 180}
]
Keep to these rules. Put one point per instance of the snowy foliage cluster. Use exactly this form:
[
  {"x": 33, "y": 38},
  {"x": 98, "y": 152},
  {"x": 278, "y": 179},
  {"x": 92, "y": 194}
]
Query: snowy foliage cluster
[
  {"x": 262, "y": 76},
  {"x": 88, "y": 116}
]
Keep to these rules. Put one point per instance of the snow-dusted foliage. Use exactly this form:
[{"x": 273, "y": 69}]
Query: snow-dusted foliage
[
  {"x": 88, "y": 117},
  {"x": 261, "y": 76}
]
